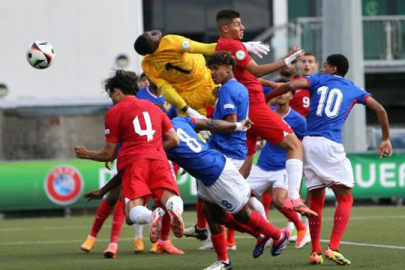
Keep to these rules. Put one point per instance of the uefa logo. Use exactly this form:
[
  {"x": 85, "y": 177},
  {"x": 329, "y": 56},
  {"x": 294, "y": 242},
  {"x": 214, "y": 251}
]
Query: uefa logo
[{"x": 64, "y": 185}]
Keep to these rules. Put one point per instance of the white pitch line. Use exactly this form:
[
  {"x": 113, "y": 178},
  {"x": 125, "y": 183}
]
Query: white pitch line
[
  {"x": 188, "y": 224},
  {"x": 366, "y": 245},
  {"x": 130, "y": 239}
]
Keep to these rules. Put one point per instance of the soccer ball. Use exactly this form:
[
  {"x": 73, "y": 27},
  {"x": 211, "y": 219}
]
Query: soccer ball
[{"x": 40, "y": 54}]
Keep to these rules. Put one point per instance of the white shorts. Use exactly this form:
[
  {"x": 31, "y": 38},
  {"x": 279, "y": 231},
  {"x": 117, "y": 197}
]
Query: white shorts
[
  {"x": 237, "y": 162},
  {"x": 259, "y": 180},
  {"x": 325, "y": 163},
  {"x": 230, "y": 190}
]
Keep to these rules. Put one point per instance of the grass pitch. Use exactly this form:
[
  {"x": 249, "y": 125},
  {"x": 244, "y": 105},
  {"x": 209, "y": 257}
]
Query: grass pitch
[{"x": 375, "y": 239}]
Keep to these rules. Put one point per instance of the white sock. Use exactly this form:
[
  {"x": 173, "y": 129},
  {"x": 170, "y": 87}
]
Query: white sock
[
  {"x": 294, "y": 172},
  {"x": 257, "y": 205},
  {"x": 140, "y": 215},
  {"x": 175, "y": 203},
  {"x": 138, "y": 230},
  {"x": 290, "y": 226}
]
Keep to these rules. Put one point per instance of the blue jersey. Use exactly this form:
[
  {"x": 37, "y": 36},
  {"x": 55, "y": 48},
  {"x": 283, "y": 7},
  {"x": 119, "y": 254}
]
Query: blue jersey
[
  {"x": 273, "y": 157},
  {"x": 145, "y": 94},
  {"x": 267, "y": 89},
  {"x": 332, "y": 98},
  {"x": 233, "y": 98},
  {"x": 195, "y": 156}
]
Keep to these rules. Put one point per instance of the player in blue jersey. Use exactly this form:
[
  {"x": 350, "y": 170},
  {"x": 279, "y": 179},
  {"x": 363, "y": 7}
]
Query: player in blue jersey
[
  {"x": 270, "y": 173},
  {"x": 223, "y": 189},
  {"x": 231, "y": 105},
  {"x": 326, "y": 165}
]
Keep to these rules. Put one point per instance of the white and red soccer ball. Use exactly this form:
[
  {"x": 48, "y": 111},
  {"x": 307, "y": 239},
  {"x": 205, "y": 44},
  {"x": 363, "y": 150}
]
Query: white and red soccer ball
[{"x": 40, "y": 54}]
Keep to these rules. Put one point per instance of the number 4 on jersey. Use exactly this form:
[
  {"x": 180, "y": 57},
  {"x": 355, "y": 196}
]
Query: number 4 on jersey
[{"x": 149, "y": 132}]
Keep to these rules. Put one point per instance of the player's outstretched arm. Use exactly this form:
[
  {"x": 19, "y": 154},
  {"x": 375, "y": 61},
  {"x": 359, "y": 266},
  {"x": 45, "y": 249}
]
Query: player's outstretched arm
[
  {"x": 98, "y": 194},
  {"x": 200, "y": 48},
  {"x": 385, "y": 148},
  {"x": 262, "y": 70},
  {"x": 286, "y": 87},
  {"x": 108, "y": 153},
  {"x": 255, "y": 47},
  {"x": 222, "y": 126},
  {"x": 170, "y": 139}
]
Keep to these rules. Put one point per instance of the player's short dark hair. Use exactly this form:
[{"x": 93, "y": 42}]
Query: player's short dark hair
[
  {"x": 222, "y": 59},
  {"x": 310, "y": 54},
  {"x": 226, "y": 16},
  {"x": 126, "y": 81},
  {"x": 340, "y": 62},
  {"x": 143, "y": 75},
  {"x": 143, "y": 45}
]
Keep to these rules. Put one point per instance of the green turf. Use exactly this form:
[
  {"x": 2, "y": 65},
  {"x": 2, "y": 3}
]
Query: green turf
[{"x": 53, "y": 243}]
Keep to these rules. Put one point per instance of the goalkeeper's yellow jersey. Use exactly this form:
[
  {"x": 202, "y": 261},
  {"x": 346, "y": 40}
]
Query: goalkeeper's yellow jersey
[{"x": 181, "y": 74}]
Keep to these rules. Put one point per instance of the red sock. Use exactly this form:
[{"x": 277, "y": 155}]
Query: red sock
[
  {"x": 231, "y": 236},
  {"x": 315, "y": 223},
  {"x": 266, "y": 201},
  {"x": 201, "y": 220},
  {"x": 294, "y": 218},
  {"x": 231, "y": 223},
  {"x": 165, "y": 232},
  {"x": 219, "y": 243},
  {"x": 118, "y": 219},
  {"x": 342, "y": 214},
  {"x": 102, "y": 213},
  {"x": 259, "y": 224}
]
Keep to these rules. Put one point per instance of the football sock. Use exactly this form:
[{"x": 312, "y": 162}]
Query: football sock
[
  {"x": 219, "y": 243},
  {"x": 175, "y": 203},
  {"x": 102, "y": 213},
  {"x": 230, "y": 236},
  {"x": 140, "y": 215},
  {"x": 341, "y": 219},
  {"x": 256, "y": 205},
  {"x": 294, "y": 172},
  {"x": 266, "y": 201},
  {"x": 293, "y": 217},
  {"x": 231, "y": 223},
  {"x": 259, "y": 224},
  {"x": 118, "y": 219},
  {"x": 201, "y": 220},
  {"x": 290, "y": 226},
  {"x": 315, "y": 223},
  {"x": 165, "y": 231},
  {"x": 138, "y": 230}
]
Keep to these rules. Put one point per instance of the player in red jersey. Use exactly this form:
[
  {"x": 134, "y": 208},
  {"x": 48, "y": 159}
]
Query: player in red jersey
[
  {"x": 142, "y": 162},
  {"x": 267, "y": 124},
  {"x": 307, "y": 66}
]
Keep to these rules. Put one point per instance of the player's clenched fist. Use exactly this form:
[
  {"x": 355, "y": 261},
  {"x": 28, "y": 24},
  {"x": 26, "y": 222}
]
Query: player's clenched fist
[{"x": 81, "y": 151}]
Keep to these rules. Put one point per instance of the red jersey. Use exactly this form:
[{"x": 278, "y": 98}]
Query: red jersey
[
  {"x": 300, "y": 102},
  {"x": 242, "y": 57},
  {"x": 139, "y": 126}
]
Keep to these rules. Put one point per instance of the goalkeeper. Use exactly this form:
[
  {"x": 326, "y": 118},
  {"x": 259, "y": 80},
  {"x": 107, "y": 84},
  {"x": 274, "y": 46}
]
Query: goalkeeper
[{"x": 177, "y": 66}]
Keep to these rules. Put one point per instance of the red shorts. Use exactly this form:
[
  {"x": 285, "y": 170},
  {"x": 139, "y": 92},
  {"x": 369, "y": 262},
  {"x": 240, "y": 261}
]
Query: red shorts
[
  {"x": 174, "y": 167},
  {"x": 147, "y": 177},
  {"x": 267, "y": 125}
]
